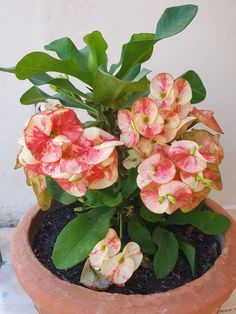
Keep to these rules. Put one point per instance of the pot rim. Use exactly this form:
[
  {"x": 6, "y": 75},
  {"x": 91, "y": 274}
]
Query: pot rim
[{"x": 216, "y": 284}]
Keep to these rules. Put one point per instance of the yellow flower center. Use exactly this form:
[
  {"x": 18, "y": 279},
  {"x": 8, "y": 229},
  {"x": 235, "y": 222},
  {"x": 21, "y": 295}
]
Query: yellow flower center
[
  {"x": 146, "y": 119},
  {"x": 54, "y": 133},
  {"x": 121, "y": 261}
]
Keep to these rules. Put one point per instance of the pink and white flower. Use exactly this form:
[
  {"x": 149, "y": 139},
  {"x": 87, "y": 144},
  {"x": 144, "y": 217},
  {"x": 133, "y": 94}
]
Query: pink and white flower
[
  {"x": 155, "y": 168},
  {"x": 105, "y": 249},
  {"x": 166, "y": 198},
  {"x": 119, "y": 268},
  {"x": 186, "y": 156},
  {"x": 48, "y": 130}
]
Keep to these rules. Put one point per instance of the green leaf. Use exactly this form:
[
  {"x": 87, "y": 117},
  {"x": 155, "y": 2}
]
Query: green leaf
[
  {"x": 207, "y": 221},
  {"x": 112, "y": 201},
  {"x": 8, "y": 70},
  {"x": 112, "y": 92},
  {"x": 175, "y": 20},
  {"x": 140, "y": 234},
  {"x": 97, "y": 51},
  {"x": 190, "y": 253},
  {"x": 66, "y": 49},
  {"x": 79, "y": 237},
  {"x": 138, "y": 50},
  {"x": 198, "y": 89},
  {"x": 95, "y": 198},
  {"x": 150, "y": 216},
  {"x": 33, "y": 96},
  {"x": 89, "y": 58},
  {"x": 167, "y": 253},
  {"x": 37, "y": 62},
  {"x": 58, "y": 193},
  {"x": 130, "y": 185}
]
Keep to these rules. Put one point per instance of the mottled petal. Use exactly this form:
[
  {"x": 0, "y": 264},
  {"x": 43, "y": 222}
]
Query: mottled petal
[
  {"x": 161, "y": 86},
  {"x": 129, "y": 134},
  {"x": 146, "y": 118},
  {"x": 183, "y": 91},
  {"x": 177, "y": 189},
  {"x": 133, "y": 251},
  {"x": 207, "y": 118},
  {"x": 151, "y": 199},
  {"x": 93, "y": 279},
  {"x": 76, "y": 188},
  {"x": 103, "y": 175},
  {"x": 190, "y": 180},
  {"x": 185, "y": 155},
  {"x": 104, "y": 249}
]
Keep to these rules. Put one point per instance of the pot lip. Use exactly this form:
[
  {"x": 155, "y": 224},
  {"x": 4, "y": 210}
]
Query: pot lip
[{"x": 224, "y": 280}]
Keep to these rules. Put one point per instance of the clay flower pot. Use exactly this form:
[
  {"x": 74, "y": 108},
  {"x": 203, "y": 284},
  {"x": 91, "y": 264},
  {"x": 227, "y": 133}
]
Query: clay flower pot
[{"x": 52, "y": 295}]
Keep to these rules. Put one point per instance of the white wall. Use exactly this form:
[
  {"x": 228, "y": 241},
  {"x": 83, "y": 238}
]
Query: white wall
[{"x": 208, "y": 46}]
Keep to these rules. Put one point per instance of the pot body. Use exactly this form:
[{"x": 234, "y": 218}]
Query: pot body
[{"x": 52, "y": 295}]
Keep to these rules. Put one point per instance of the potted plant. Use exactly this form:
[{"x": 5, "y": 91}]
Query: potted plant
[{"x": 123, "y": 222}]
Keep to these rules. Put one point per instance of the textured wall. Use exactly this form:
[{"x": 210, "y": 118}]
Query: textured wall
[{"x": 208, "y": 46}]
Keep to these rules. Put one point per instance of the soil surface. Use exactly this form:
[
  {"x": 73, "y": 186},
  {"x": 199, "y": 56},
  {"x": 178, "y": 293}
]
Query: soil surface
[{"x": 143, "y": 280}]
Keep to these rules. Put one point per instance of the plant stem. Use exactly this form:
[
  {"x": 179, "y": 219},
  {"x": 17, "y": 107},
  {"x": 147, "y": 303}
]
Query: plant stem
[{"x": 121, "y": 225}]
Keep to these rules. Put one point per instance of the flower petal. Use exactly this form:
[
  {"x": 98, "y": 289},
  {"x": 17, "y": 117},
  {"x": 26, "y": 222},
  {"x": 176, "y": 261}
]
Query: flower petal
[
  {"x": 93, "y": 279},
  {"x": 151, "y": 199},
  {"x": 207, "y": 118},
  {"x": 183, "y": 91},
  {"x": 146, "y": 118},
  {"x": 161, "y": 86},
  {"x": 180, "y": 154},
  {"x": 103, "y": 175},
  {"x": 133, "y": 251},
  {"x": 129, "y": 134},
  {"x": 76, "y": 188}
]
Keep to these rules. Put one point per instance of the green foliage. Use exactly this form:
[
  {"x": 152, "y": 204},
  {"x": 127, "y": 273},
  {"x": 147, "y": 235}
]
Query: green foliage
[
  {"x": 140, "y": 234},
  {"x": 174, "y": 20},
  {"x": 189, "y": 252},
  {"x": 112, "y": 92},
  {"x": 138, "y": 50},
  {"x": 207, "y": 221},
  {"x": 151, "y": 217},
  {"x": 198, "y": 89},
  {"x": 112, "y": 201},
  {"x": 58, "y": 193},
  {"x": 101, "y": 198},
  {"x": 79, "y": 237},
  {"x": 38, "y": 62},
  {"x": 167, "y": 253},
  {"x": 130, "y": 184}
]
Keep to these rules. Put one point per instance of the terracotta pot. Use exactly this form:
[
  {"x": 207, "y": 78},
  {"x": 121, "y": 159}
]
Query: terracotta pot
[{"x": 52, "y": 295}]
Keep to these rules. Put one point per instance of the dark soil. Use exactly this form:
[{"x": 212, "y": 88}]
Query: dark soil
[{"x": 143, "y": 280}]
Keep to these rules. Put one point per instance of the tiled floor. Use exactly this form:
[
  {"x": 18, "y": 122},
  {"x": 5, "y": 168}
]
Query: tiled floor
[{"x": 13, "y": 300}]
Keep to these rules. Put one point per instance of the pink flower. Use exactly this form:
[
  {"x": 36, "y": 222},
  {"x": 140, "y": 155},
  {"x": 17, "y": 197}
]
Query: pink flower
[
  {"x": 167, "y": 197},
  {"x": 119, "y": 268},
  {"x": 105, "y": 249},
  {"x": 186, "y": 156},
  {"x": 48, "y": 130},
  {"x": 143, "y": 119},
  {"x": 130, "y": 135},
  {"x": 161, "y": 90},
  {"x": 155, "y": 168}
]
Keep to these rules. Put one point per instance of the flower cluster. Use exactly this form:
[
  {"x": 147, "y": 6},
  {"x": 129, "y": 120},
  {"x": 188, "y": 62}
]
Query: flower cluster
[
  {"x": 177, "y": 169},
  {"x": 55, "y": 144},
  {"x": 106, "y": 265}
]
